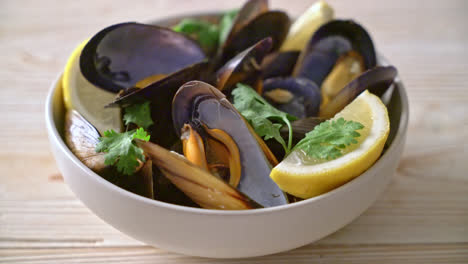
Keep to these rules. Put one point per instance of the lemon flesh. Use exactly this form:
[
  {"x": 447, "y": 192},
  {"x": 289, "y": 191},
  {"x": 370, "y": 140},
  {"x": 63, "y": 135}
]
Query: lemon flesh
[
  {"x": 303, "y": 28},
  {"x": 87, "y": 99},
  {"x": 306, "y": 177}
]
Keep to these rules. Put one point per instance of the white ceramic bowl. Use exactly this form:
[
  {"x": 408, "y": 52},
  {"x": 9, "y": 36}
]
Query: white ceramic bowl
[{"x": 227, "y": 234}]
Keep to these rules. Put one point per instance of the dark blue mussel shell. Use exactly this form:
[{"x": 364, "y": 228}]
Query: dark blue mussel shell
[
  {"x": 306, "y": 95},
  {"x": 121, "y": 55},
  {"x": 244, "y": 67},
  {"x": 328, "y": 44},
  {"x": 279, "y": 64},
  {"x": 376, "y": 80},
  {"x": 274, "y": 24}
]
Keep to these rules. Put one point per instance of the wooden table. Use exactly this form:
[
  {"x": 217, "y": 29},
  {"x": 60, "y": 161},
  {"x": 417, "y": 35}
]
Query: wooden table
[{"x": 421, "y": 218}]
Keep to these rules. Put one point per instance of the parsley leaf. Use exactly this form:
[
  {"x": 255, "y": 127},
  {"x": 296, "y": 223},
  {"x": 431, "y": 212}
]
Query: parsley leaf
[
  {"x": 328, "y": 139},
  {"x": 225, "y": 24},
  {"x": 139, "y": 114},
  {"x": 121, "y": 150},
  {"x": 265, "y": 119},
  {"x": 205, "y": 33}
]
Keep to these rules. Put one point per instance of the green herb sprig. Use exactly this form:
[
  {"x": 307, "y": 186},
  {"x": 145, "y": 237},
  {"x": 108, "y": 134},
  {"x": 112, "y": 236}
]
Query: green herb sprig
[
  {"x": 265, "y": 119},
  {"x": 121, "y": 149},
  {"x": 328, "y": 139},
  {"x": 138, "y": 114},
  {"x": 207, "y": 34}
]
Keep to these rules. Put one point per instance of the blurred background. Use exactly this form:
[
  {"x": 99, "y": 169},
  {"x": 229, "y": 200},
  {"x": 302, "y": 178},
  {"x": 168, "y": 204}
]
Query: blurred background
[{"x": 425, "y": 204}]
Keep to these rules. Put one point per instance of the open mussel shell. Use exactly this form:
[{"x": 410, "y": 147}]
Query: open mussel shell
[
  {"x": 160, "y": 95},
  {"x": 121, "y": 55},
  {"x": 81, "y": 137},
  {"x": 244, "y": 67},
  {"x": 202, "y": 187},
  {"x": 274, "y": 24},
  {"x": 328, "y": 44},
  {"x": 299, "y": 97},
  {"x": 279, "y": 64},
  {"x": 204, "y": 107},
  {"x": 376, "y": 80}
]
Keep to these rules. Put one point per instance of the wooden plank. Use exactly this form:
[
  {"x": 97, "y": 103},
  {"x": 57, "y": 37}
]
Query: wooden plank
[{"x": 424, "y": 254}]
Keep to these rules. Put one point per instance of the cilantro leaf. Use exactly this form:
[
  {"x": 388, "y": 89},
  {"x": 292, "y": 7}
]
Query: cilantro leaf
[
  {"x": 265, "y": 119},
  {"x": 205, "y": 33},
  {"x": 139, "y": 114},
  {"x": 121, "y": 150},
  {"x": 328, "y": 139},
  {"x": 225, "y": 24}
]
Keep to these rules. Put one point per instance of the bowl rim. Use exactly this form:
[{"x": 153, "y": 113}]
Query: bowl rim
[{"x": 56, "y": 139}]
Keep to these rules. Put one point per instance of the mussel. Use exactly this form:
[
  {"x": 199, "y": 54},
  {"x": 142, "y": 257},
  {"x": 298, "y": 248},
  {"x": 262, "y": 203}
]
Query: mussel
[
  {"x": 279, "y": 64},
  {"x": 82, "y": 138},
  {"x": 205, "y": 119},
  {"x": 376, "y": 80},
  {"x": 330, "y": 43},
  {"x": 201, "y": 186},
  {"x": 112, "y": 59},
  {"x": 245, "y": 67},
  {"x": 299, "y": 97},
  {"x": 160, "y": 94}
]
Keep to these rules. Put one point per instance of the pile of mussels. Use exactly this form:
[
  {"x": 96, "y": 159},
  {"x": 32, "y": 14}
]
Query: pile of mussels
[{"x": 190, "y": 90}]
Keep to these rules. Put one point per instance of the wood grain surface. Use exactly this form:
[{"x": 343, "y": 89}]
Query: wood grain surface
[{"x": 421, "y": 218}]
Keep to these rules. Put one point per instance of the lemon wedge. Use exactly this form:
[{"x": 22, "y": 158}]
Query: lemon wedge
[
  {"x": 303, "y": 28},
  {"x": 305, "y": 177},
  {"x": 87, "y": 99}
]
